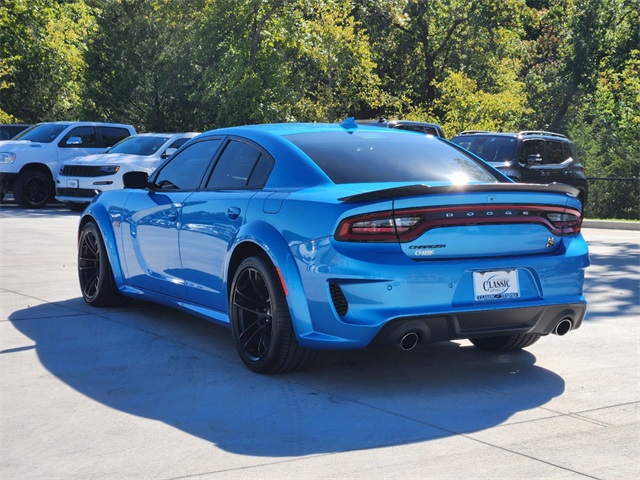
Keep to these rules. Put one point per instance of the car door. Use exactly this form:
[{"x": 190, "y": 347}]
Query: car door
[
  {"x": 77, "y": 142},
  {"x": 212, "y": 217},
  {"x": 559, "y": 162},
  {"x": 151, "y": 243},
  {"x": 534, "y": 171}
]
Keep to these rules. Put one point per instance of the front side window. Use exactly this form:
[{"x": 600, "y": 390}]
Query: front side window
[
  {"x": 43, "y": 133},
  {"x": 240, "y": 166},
  {"x": 185, "y": 170},
  {"x": 388, "y": 156},
  {"x": 80, "y": 137}
]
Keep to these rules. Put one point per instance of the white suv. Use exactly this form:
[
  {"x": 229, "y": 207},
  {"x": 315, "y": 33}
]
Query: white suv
[
  {"x": 30, "y": 162},
  {"x": 83, "y": 178}
]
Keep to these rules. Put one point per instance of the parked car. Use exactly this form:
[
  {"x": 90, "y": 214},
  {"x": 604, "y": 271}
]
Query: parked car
[
  {"x": 30, "y": 162},
  {"x": 414, "y": 126},
  {"x": 303, "y": 237},
  {"x": 529, "y": 156},
  {"x": 82, "y": 178},
  {"x": 8, "y": 131}
]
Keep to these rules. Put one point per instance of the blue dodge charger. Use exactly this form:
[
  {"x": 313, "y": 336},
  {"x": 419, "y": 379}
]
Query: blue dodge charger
[{"x": 304, "y": 237}]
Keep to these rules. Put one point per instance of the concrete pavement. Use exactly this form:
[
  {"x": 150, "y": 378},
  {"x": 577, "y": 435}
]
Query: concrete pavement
[{"x": 147, "y": 392}]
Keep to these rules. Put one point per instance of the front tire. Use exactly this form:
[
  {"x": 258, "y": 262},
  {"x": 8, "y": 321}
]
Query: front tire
[
  {"x": 94, "y": 270},
  {"x": 33, "y": 189},
  {"x": 261, "y": 322},
  {"x": 506, "y": 343}
]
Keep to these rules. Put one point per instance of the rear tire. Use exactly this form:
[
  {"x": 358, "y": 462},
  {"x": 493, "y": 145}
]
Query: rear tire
[
  {"x": 94, "y": 270},
  {"x": 33, "y": 189},
  {"x": 261, "y": 321},
  {"x": 506, "y": 343}
]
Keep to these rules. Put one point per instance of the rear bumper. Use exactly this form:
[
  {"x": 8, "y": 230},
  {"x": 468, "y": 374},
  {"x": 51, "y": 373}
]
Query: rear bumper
[{"x": 477, "y": 324}]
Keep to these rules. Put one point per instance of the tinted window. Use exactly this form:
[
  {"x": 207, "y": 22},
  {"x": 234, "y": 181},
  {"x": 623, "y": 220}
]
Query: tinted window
[
  {"x": 185, "y": 170},
  {"x": 387, "y": 156},
  {"x": 87, "y": 136},
  {"x": 491, "y": 149},
  {"x": 532, "y": 147},
  {"x": 112, "y": 135},
  {"x": 44, "y": 133},
  {"x": 7, "y": 132},
  {"x": 139, "y": 145},
  {"x": 240, "y": 166},
  {"x": 179, "y": 142},
  {"x": 556, "y": 154}
]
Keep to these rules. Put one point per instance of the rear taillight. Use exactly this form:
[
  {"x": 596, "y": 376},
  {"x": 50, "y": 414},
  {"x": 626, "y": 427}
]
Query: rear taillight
[
  {"x": 567, "y": 222},
  {"x": 379, "y": 227},
  {"x": 407, "y": 225}
]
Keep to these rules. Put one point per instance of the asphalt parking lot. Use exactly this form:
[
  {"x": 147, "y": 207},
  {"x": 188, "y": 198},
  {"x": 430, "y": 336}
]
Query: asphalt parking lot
[{"x": 147, "y": 392}]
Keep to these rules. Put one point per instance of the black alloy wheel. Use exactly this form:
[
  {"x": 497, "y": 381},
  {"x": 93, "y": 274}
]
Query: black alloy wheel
[
  {"x": 33, "y": 189},
  {"x": 261, "y": 322},
  {"x": 94, "y": 270}
]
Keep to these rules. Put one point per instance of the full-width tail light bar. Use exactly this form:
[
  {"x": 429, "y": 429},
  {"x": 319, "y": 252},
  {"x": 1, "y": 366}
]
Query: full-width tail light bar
[{"x": 406, "y": 225}]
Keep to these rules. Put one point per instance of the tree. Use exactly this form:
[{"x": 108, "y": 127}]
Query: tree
[
  {"x": 139, "y": 65},
  {"x": 42, "y": 43},
  {"x": 419, "y": 43}
]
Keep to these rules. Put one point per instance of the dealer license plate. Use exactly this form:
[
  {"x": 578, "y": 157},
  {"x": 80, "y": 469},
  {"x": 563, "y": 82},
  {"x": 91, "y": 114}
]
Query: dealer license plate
[
  {"x": 496, "y": 285},
  {"x": 72, "y": 183}
]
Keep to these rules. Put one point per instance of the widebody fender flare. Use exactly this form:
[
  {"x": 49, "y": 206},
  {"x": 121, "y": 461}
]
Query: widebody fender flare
[
  {"x": 268, "y": 239},
  {"x": 105, "y": 220}
]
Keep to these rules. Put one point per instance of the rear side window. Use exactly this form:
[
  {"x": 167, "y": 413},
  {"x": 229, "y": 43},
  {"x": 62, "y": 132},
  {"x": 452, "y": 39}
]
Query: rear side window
[
  {"x": 388, "y": 156},
  {"x": 112, "y": 135},
  {"x": 240, "y": 166},
  {"x": 555, "y": 152},
  {"x": 80, "y": 137},
  {"x": 533, "y": 147},
  {"x": 185, "y": 170}
]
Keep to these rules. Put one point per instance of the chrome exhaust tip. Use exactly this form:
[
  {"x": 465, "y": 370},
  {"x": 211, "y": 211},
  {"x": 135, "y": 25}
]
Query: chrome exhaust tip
[
  {"x": 563, "y": 327},
  {"x": 409, "y": 341}
]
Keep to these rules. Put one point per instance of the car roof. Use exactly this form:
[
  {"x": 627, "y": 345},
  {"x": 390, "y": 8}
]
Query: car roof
[
  {"x": 96, "y": 124},
  {"x": 524, "y": 133},
  {"x": 167, "y": 134}
]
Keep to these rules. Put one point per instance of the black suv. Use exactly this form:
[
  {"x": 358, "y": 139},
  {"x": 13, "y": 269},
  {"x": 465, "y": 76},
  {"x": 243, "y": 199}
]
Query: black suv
[{"x": 529, "y": 157}]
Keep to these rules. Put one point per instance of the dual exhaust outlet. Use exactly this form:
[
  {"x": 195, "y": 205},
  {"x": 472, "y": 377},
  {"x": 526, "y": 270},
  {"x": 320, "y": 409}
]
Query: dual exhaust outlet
[{"x": 411, "y": 339}]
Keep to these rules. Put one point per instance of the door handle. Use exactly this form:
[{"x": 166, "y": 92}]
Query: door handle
[
  {"x": 233, "y": 213},
  {"x": 172, "y": 215}
]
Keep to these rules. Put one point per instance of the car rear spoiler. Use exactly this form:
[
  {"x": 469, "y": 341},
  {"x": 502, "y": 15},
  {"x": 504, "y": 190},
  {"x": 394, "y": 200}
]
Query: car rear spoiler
[{"x": 421, "y": 189}]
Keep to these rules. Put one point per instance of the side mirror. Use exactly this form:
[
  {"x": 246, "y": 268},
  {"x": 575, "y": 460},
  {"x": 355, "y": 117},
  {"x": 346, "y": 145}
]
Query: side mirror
[
  {"x": 168, "y": 152},
  {"x": 136, "y": 180},
  {"x": 534, "y": 159},
  {"x": 73, "y": 141}
]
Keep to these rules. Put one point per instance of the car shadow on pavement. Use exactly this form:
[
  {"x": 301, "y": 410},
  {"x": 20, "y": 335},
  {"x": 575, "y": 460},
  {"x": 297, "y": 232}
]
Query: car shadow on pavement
[
  {"x": 165, "y": 365},
  {"x": 612, "y": 287}
]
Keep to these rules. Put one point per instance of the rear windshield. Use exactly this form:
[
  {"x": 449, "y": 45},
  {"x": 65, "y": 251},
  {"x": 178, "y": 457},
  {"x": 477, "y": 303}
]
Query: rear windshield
[
  {"x": 139, "y": 145},
  {"x": 389, "y": 156},
  {"x": 487, "y": 147},
  {"x": 43, "y": 133}
]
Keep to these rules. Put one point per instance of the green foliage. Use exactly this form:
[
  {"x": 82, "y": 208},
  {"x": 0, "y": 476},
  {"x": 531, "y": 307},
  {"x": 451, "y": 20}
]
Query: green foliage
[
  {"x": 569, "y": 66},
  {"x": 138, "y": 65},
  {"x": 607, "y": 132},
  {"x": 42, "y": 47}
]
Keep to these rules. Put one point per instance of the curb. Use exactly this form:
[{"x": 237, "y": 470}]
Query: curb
[{"x": 611, "y": 224}]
